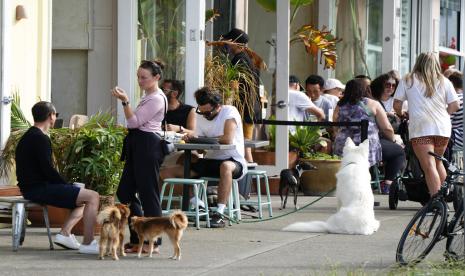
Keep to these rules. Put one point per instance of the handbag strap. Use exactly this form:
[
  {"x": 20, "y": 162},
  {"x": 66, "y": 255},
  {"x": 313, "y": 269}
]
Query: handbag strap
[{"x": 166, "y": 107}]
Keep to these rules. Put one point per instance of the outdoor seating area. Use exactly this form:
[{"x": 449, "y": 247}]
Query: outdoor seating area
[{"x": 255, "y": 137}]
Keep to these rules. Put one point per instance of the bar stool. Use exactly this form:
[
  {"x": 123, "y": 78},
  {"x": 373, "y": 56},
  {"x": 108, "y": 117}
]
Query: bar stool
[
  {"x": 234, "y": 207},
  {"x": 19, "y": 216},
  {"x": 258, "y": 174},
  {"x": 200, "y": 193}
]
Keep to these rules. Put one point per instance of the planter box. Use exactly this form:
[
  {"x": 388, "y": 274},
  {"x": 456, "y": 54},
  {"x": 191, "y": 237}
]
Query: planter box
[
  {"x": 262, "y": 157},
  {"x": 319, "y": 182}
]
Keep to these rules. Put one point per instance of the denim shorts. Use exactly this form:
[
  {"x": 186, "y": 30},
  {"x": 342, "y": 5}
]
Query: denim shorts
[{"x": 58, "y": 195}]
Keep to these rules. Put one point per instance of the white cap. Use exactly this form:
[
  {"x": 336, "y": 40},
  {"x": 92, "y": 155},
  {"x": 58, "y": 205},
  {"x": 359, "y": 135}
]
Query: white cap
[{"x": 333, "y": 83}]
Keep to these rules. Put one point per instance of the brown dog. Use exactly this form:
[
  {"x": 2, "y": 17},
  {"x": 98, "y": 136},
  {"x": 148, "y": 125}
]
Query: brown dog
[
  {"x": 150, "y": 228},
  {"x": 125, "y": 212},
  {"x": 109, "y": 218}
]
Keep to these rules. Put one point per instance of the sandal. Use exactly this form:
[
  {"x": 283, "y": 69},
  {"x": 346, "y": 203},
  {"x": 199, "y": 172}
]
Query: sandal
[{"x": 134, "y": 248}]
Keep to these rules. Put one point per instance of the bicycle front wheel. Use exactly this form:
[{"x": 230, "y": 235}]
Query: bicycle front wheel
[
  {"x": 455, "y": 239},
  {"x": 422, "y": 233}
]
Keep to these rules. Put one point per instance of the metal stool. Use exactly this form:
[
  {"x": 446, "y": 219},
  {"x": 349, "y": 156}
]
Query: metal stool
[
  {"x": 234, "y": 206},
  {"x": 200, "y": 193},
  {"x": 258, "y": 174},
  {"x": 19, "y": 217}
]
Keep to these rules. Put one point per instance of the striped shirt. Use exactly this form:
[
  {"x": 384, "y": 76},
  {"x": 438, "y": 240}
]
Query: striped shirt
[{"x": 457, "y": 124}]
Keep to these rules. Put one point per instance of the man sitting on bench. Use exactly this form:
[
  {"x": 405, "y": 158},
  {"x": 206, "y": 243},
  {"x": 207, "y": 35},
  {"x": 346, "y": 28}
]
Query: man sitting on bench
[{"x": 39, "y": 182}]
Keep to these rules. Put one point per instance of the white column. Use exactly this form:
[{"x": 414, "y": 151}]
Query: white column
[
  {"x": 282, "y": 83},
  {"x": 429, "y": 26},
  {"x": 391, "y": 35},
  {"x": 195, "y": 48},
  {"x": 325, "y": 18},
  {"x": 241, "y": 16},
  {"x": 6, "y": 8},
  {"x": 126, "y": 59}
]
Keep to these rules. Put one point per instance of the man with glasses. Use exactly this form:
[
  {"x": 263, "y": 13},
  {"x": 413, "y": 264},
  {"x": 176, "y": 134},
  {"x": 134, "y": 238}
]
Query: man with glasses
[
  {"x": 39, "y": 181},
  {"x": 225, "y": 123}
]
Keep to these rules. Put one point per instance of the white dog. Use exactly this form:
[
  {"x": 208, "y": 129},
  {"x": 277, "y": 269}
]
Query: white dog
[{"x": 355, "y": 213}]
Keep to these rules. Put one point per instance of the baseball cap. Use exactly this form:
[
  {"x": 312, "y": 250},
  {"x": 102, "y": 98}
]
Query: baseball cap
[
  {"x": 236, "y": 35},
  {"x": 333, "y": 83}
]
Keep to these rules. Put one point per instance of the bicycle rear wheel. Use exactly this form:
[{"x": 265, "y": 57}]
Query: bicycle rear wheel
[
  {"x": 422, "y": 233},
  {"x": 455, "y": 240}
]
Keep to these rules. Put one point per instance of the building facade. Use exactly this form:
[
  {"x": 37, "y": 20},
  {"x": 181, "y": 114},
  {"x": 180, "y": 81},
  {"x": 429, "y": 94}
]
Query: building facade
[{"x": 73, "y": 52}]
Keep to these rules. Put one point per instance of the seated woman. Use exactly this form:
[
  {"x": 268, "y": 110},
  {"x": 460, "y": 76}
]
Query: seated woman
[
  {"x": 180, "y": 117},
  {"x": 383, "y": 88},
  {"x": 356, "y": 106}
]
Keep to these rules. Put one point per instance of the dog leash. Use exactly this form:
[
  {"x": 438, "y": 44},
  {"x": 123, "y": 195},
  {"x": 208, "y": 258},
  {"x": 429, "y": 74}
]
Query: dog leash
[{"x": 282, "y": 215}]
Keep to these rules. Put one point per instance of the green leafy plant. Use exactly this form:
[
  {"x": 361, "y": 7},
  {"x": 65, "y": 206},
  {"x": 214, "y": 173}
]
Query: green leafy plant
[
  {"x": 18, "y": 120},
  {"x": 305, "y": 138},
  {"x": 91, "y": 154},
  {"x": 234, "y": 82}
]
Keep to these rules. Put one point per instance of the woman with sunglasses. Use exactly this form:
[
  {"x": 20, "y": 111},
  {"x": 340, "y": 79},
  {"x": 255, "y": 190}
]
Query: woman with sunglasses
[
  {"x": 142, "y": 149},
  {"x": 393, "y": 155},
  {"x": 431, "y": 99}
]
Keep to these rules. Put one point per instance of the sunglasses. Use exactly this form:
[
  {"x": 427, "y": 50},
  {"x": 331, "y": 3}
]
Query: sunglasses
[
  {"x": 389, "y": 85},
  {"x": 206, "y": 113}
]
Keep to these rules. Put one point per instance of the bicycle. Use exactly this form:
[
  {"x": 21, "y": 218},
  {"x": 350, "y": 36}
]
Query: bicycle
[{"x": 429, "y": 225}]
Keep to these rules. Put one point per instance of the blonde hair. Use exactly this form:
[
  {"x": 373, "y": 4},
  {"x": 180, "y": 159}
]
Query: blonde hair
[{"x": 428, "y": 71}]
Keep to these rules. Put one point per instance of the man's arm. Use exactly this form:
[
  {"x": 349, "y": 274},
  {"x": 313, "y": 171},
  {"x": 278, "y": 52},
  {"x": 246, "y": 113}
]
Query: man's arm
[
  {"x": 318, "y": 112},
  {"x": 44, "y": 158},
  {"x": 230, "y": 126}
]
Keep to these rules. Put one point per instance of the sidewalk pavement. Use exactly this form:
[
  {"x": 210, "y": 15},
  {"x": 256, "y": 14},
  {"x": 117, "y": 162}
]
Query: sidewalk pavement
[{"x": 242, "y": 249}]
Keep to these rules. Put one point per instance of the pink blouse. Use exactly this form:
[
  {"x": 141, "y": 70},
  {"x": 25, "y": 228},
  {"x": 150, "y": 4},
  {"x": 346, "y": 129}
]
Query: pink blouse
[{"x": 149, "y": 112}]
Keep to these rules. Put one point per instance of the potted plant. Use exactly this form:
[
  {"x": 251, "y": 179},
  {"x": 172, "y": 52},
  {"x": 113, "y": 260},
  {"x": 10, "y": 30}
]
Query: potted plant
[
  {"x": 305, "y": 140},
  {"x": 89, "y": 154}
]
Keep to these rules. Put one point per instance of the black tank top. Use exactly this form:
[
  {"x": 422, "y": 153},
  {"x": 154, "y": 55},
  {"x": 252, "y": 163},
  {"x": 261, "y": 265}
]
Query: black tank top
[{"x": 179, "y": 115}]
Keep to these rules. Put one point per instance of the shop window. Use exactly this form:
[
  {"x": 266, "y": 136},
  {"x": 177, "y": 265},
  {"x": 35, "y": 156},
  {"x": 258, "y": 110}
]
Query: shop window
[
  {"x": 450, "y": 24},
  {"x": 360, "y": 25},
  {"x": 161, "y": 35},
  {"x": 451, "y": 51},
  {"x": 405, "y": 59}
]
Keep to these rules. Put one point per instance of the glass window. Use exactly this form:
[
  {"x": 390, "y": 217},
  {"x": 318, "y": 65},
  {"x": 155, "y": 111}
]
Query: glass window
[
  {"x": 161, "y": 35},
  {"x": 450, "y": 24},
  {"x": 360, "y": 25},
  {"x": 405, "y": 37}
]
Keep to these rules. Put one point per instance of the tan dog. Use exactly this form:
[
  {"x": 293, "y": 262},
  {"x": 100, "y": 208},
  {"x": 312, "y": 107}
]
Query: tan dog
[
  {"x": 125, "y": 212},
  {"x": 109, "y": 218},
  {"x": 150, "y": 228}
]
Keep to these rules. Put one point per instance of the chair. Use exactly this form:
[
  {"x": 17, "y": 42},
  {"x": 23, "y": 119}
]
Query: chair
[
  {"x": 258, "y": 174},
  {"x": 234, "y": 207},
  {"x": 200, "y": 193},
  {"x": 376, "y": 178},
  {"x": 19, "y": 218},
  {"x": 76, "y": 121}
]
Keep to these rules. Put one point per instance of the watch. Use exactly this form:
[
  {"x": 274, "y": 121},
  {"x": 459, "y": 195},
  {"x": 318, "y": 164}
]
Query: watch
[
  {"x": 125, "y": 103},
  {"x": 181, "y": 129}
]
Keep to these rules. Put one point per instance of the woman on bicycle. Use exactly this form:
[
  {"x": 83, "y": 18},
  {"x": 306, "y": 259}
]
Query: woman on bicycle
[{"x": 431, "y": 99}]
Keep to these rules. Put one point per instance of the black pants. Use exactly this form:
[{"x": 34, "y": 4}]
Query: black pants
[
  {"x": 139, "y": 184},
  {"x": 393, "y": 158}
]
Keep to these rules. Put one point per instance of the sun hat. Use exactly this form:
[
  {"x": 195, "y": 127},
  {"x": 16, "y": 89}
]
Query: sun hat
[{"x": 333, "y": 83}]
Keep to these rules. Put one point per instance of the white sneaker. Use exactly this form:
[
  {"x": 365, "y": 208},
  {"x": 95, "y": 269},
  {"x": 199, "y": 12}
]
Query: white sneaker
[
  {"x": 200, "y": 202},
  {"x": 68, "y": 242},
  {"x": 91, "y": 248}
]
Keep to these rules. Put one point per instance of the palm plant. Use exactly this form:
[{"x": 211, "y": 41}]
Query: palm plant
[
  {"x": 305, "y": 138},
  {"x": 234, "y": 81}
]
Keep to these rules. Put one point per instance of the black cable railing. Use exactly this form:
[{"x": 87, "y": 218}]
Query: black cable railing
[{"x": 363, "y": 124}]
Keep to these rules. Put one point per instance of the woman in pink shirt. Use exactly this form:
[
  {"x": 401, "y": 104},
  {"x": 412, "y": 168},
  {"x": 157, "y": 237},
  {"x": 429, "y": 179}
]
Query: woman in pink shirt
[{"x": 142, "y": 148}]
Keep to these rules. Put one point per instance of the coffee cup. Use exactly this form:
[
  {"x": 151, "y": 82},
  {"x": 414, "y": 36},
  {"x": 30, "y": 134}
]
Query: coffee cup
[{"x": 79, "y": 185}]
